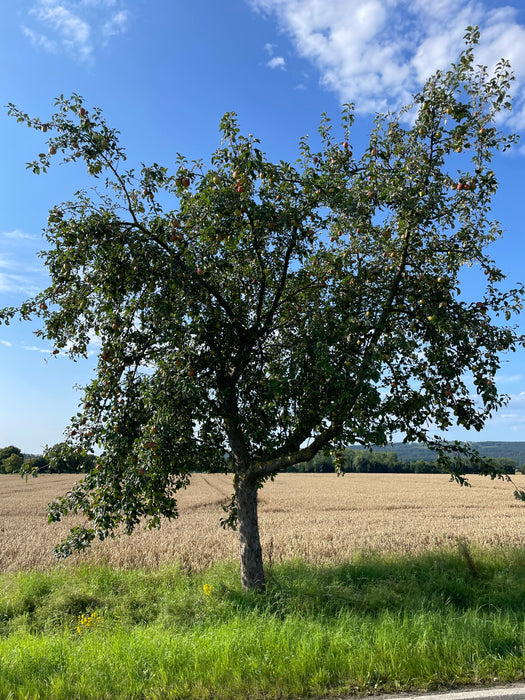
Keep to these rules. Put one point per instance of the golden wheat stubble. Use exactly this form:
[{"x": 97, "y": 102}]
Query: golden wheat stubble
[{"x": 320, "y": 517}]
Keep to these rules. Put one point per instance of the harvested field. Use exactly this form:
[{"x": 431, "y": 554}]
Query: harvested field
[{"x": 320, "y": 517}]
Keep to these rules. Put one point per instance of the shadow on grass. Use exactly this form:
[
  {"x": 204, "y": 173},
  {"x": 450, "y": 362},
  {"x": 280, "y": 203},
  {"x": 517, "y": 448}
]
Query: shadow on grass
[{"x": 490, "y": 580}]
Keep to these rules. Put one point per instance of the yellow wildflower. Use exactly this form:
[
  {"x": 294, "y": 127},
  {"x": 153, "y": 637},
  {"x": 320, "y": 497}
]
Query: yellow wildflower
[{"x": 84, "y": 621}]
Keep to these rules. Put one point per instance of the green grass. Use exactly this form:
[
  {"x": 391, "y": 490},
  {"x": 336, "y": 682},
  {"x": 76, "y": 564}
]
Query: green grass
[{"x": 375, "y": 624}]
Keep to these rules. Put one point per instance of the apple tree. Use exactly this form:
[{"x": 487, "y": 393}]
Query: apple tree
[{"x": 251, "y": 314}]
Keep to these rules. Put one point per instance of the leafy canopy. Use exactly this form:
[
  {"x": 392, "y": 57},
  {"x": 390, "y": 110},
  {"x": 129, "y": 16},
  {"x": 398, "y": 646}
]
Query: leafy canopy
[{"x": 252, "y": 313}]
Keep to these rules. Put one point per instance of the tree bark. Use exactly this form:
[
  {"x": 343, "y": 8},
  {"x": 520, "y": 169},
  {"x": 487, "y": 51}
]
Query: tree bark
[{"x": 250, "y": 551}]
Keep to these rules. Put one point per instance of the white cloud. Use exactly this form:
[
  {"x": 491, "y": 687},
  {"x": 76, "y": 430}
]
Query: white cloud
[
  {"x": 78, "y": 26},
  {"x": 510, "y": 378},
  {"x": 6, "y": 343},
  {"x": 17, "y": 234},
  {"x": 96, "y": 3},
  {"x": 33, "y": 348},
  {"x": 277, "y": 62},
  {"x": 40, "y": 40},
  {"x": 73, "y": 31},
  {"x": 512, "y": 416},
  {"x": 18, "y": 278},
  {"x": 377, "y": 53},
  {"x": 11, "y": 283},
  {"x": 117, "y": 24}
]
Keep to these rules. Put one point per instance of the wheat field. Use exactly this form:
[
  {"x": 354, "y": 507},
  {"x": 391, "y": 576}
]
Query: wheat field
[{"x": 319, "y": 517}]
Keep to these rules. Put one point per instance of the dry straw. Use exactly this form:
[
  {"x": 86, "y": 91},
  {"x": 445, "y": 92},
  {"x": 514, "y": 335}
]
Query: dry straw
[{"x": 320, "y": 517}]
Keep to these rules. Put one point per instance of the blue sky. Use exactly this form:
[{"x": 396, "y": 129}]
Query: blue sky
[{"x": 164, "y": 72}]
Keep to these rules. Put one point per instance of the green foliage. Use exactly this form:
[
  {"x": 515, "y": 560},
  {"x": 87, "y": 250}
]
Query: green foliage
[
  {"x": 11, "y": 459},
  {"x": 6, "y": 452},
  {"x": 268, "y": 311},
  {"x": 12, "y": 464}
]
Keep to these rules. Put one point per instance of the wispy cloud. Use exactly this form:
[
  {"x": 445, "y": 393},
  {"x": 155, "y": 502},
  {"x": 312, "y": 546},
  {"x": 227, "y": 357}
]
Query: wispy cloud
[
  {"x": 73, "y": 31},
  {"x": 512, "y": 416},
  {"x": 6, "y": 343},
  {"x": 97, "y": 3},
  {"x": 17, "y": 234},
  {"x": 14, "y": 283},
  {"x": 39, "y": 40},
  {"x": 511, "y": 378},
  {"x": 34, "y": 348},
  {"x": 18, "y": 278},
  {"x": 116, "y": 24},
  {"x": 377, "y": 52},
  {"x": 77, "y": 26}
]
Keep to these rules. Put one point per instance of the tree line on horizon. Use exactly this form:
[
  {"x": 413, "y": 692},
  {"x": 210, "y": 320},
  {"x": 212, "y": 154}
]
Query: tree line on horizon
[
  {"x": 358, "y": 460},
  {"x": 396, "y": 459},
  {"x": 13, "y": 460}
]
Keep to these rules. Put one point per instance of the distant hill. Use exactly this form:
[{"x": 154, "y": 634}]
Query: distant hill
[{"x": 409, "y": 452}]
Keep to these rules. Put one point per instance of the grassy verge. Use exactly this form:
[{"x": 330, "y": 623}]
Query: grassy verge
[{"x": 376, "y": 624}]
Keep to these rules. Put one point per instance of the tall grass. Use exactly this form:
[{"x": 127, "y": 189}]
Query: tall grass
[{"x": 378, "y": 623}]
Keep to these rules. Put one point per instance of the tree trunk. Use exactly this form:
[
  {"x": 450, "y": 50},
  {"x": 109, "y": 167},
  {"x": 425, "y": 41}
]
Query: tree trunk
[{"x": 252, "y": 573}]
